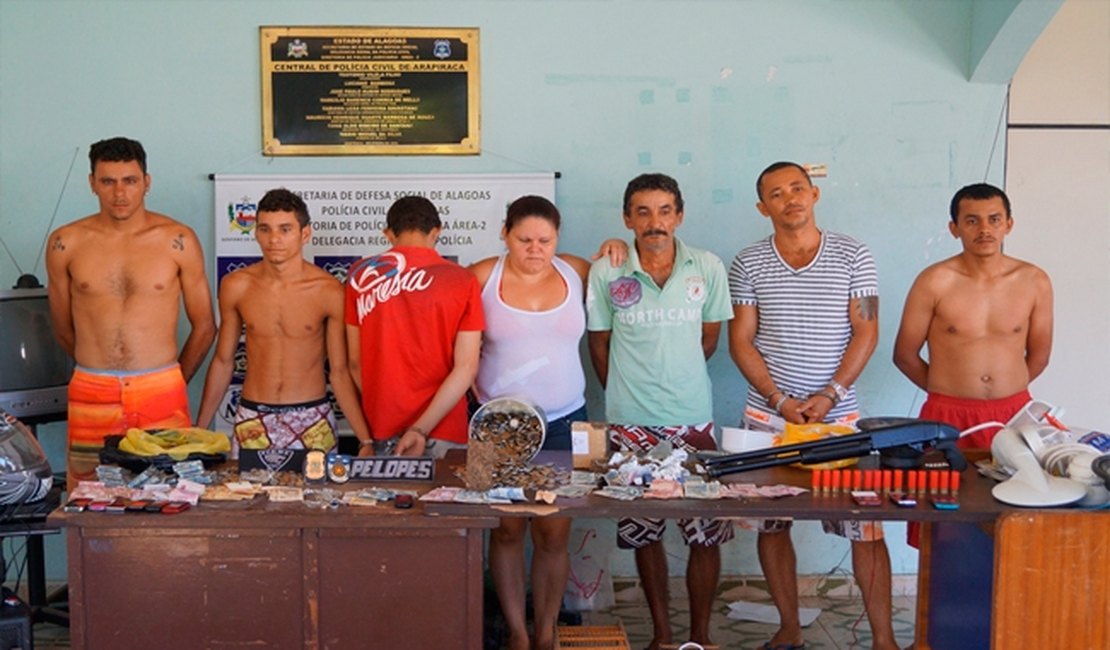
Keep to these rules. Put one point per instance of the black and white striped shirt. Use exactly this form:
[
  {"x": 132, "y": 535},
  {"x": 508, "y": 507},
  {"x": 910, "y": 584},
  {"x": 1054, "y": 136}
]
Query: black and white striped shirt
[{"x": 803, "y": 313}]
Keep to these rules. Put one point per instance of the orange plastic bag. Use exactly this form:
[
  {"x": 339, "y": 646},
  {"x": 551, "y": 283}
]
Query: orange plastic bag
[{"x": 796, "y": 433}]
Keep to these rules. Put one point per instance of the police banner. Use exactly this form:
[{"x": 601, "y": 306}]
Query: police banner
[{"x": 348, "y": 215}]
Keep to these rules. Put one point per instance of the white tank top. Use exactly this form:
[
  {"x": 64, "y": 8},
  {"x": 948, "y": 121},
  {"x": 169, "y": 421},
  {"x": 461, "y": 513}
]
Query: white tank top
[{"x": 534, "y": 354}]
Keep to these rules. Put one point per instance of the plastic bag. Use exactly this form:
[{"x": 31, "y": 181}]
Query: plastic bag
[
  {"x": 590, "y": 583},
  {"x": 796, "y": 433}
]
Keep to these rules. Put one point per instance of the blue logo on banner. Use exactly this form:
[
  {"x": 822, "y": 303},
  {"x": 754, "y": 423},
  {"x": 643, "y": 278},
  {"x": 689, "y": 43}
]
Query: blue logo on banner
[
  {"x": 242, "y": 215},
  {"x": 337, "y": 265}
]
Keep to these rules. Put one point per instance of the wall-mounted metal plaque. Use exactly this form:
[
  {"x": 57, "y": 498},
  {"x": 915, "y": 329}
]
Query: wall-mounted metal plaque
[{"x": 369, "y": 90}]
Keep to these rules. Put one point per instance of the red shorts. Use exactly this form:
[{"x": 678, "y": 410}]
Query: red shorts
[{"x": 965, "y": 413}]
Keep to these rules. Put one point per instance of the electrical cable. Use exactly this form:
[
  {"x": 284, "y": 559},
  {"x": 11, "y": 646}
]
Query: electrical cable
[
  {"x": 997, "y": 130},
  {"x": 1101, "y": 466},
  {"x": 15, "y": 561},
  {"x": 839, "y": 570},
  {"x": 1057, "y": 457},
  {"x": 980, "y": 427},
  {"x": 57, "y": 204},
  {"x": 15, "y": 262}
]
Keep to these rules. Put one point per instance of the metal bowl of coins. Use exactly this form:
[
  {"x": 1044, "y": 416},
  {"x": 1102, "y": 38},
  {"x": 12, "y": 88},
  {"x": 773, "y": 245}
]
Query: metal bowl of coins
[{"x": 516, "y": 426}]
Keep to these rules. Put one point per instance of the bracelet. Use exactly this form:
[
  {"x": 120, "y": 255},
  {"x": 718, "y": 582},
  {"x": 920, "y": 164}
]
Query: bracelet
[
  {"x": 423, "y": 433},
  {"x": 365, "y": 443},
  {"x": 778, "y": 404},
  {"x": 771, "y": 397}
]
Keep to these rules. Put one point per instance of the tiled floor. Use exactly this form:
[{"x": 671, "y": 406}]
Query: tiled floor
[
  {"x": 840, "y": 626},
  {"x": 50, "y": 637}
]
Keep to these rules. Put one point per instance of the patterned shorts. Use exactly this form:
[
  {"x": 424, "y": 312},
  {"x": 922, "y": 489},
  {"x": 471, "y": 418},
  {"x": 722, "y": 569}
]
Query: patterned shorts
[
  {"x": 310, "y": 425},
  {"x": 855, "y": 531},
  {"x": 105, "y": 402},
  {"x": 635, "y": 532}
]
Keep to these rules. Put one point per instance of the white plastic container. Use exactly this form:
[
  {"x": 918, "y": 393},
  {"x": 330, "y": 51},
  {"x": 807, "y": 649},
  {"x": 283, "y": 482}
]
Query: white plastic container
[{"x": 735, "y": 440}]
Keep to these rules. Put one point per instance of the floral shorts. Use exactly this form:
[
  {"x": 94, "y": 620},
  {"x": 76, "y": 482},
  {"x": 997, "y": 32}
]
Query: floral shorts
[
  {"x": 637, "y": 532},
  {"x": 310, "y": 425}
]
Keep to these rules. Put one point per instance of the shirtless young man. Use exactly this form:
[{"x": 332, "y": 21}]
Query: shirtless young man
[
  {"x": 986, "y": 317},
  {"x": 116, "y": 281},
  {"x": 293, "y": 314}
]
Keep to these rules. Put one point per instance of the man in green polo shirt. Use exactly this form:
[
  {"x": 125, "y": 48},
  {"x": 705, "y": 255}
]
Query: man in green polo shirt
[{"x": 652, "y": 324}]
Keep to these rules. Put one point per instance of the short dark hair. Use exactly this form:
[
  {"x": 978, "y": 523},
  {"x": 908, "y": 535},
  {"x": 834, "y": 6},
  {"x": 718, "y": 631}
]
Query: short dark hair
[
  {"x": 531, "y": 206},
  {"x": 653, "y": 182},
  {"x": 282, "y": 200},
  {"x": 977, "y": 192},
  {"x": 117, "y": 150},
  {"x": 412, "y": 213},
  {"x": 774, "y": 167}
]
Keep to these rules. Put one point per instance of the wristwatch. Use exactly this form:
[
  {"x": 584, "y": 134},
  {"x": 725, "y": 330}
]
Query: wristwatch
[{"x": 841, "y": 391}]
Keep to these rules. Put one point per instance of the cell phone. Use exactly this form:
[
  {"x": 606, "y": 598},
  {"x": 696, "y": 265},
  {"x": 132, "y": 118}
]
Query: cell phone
[
  {"x": 98, "y": 506},
  {"x": 903, "y": 500},
  {"x": 137, "y": 505},
  {"x": 866, "y": 498},
  {"x": 403, "y": 501},
  {"x": 174, "y": 507},
  {"x": 76, "y": 505},
  {"x": 117, "y": 506},
  {"x": 945, "y": 503},
  {"x": 155, "y": 506}
]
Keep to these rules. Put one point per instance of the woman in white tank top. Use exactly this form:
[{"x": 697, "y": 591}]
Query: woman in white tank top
[{"x": 533, "y": 304}]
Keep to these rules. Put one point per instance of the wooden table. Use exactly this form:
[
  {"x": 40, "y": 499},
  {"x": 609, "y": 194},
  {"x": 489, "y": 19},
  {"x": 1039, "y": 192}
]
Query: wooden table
[
  {"x": 266, "y": 575},
  {"x": 269, "y": 575},
  {"x": 1051, "y": 567},
  {"x": 976, "y": 504}
]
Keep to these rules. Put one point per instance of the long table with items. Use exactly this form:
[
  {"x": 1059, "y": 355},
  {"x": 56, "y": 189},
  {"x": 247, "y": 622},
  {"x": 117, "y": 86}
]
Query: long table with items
[
  {"x": 275, "y": 575},
  {"x": 1050, "y": 566},
  {"x": 281, "y": 575}
]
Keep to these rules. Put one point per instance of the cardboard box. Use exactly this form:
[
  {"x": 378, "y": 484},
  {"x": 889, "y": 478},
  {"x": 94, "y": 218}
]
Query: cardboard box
[{"x": 589, "y": 442}]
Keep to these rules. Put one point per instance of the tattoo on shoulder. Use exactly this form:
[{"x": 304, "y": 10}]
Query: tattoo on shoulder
[
  {"x": 58, "y": 245},
  {"x": 869, "y": 307},
  {"x": 179, "y": 242}
]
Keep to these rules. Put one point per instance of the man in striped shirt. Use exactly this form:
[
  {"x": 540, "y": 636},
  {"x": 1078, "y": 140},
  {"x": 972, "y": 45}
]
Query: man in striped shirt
[{"x": 805, "y": 322}]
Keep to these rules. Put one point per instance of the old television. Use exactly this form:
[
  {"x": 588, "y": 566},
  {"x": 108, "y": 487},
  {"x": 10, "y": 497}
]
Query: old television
[{"x": 34, "y": 369}]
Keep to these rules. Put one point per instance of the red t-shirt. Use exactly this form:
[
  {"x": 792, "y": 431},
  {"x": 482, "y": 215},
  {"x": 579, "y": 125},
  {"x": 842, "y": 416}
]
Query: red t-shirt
[{"x": 409, "y": 304}]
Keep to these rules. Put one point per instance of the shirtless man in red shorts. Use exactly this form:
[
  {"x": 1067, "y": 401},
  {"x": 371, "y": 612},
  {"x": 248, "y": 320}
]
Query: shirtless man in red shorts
[
  {"x": 986, "y": 317},
  {"x": 117, "y": 279}
]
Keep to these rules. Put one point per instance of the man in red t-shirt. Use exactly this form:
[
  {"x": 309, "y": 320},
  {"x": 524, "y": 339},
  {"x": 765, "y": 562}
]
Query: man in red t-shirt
[{"x": 414, "y": 329}]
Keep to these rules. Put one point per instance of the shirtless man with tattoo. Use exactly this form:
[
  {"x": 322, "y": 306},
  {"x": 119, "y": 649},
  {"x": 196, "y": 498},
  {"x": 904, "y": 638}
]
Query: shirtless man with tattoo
[
  {"x": 805, "y": 322},
  {"x": 292, "y": 311},
  {"x": 117, "y": 279},
  {"x": 986, "y": 317}
]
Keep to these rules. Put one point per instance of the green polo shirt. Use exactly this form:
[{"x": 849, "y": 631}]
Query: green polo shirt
[{"x": 657, "y": 370}]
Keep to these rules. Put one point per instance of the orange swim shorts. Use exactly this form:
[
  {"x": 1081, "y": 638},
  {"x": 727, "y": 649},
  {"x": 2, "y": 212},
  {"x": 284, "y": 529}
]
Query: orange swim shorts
[{"x": 107, "y": 402}]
